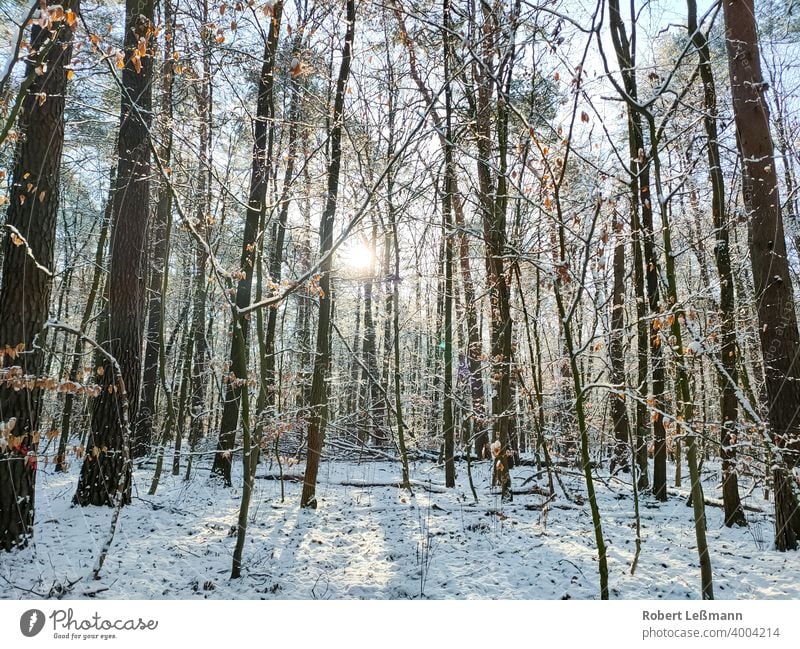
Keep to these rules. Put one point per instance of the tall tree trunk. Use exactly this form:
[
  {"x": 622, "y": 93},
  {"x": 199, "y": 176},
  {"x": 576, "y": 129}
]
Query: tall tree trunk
[
  {"x": 474, "y": 344},
  {"x": 319, "y": 393},
  {"x": 353, "y": 404},
  {"x": 684, "y": 403},
  {"x": 304, "y": 301},
  {"x": 448, "y": 427},
  {"x": 183, "y": 397},
  {"x": 28, "y": 255},
  {"x": 780, "y": 341},
  {"x": 497, "y": 38},
  {"x": 393, "y": 281},
  {"x": 619, "y": 410},
  {"x": 728, "y": 352},
  {"x": 642, "y": 212},
  {"x": 106, "y": 461},
  {"x": 236, "y": 388},
  {"x": 368, "y": 424},
  {"x": 159, "y": 243}
]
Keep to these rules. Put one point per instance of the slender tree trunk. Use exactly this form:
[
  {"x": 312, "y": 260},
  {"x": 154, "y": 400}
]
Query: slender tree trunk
[
  {"x": 368, "y": 423},
  {"x": 28, "y": 256},
  {"x": 354, "y": 393},
  {"x": 619, "y": 410},
  {"x": 728, "y": 349},
  {"x": 448, "y": 427},
  {"x": 259, "y": 180},
  {"x": 199, "y": 408},
  {"x": 684, "y": 405},
  {"x": 159, "y": 244},
  {"x": 571, "y": 349},
  {"x": 319, "y": 394},
  {"x": 493, "y": 200},
  {"x": 475, "y": 346},
  {"x": 780, "y": 341},
  {"x": 643, "y": 214},
  {"x": 279, "y": 232},
  {"x": 304, "y": 303},
  {"x": 183, "y": 398}
]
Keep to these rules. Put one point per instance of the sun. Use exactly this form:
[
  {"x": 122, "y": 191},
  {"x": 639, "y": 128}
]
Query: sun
[{"x": 358, "y": 256}]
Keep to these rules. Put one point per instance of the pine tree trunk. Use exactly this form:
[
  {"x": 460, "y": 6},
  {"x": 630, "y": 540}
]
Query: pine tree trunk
[
  {"x": 28, "y": 256},
  {"x": 780, "y": 341},
  {"x": 106, "y": 460}
]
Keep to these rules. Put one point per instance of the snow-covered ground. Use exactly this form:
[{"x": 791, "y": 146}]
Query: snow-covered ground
[{"x": 381, "y": 542}]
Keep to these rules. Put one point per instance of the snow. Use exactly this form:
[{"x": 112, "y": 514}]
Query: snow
[{"x": 380, "y": 542}]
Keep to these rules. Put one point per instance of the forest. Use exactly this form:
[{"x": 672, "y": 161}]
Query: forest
[{"x": 398, "y": 299}]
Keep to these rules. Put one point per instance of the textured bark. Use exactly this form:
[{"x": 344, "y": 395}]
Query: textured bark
[
  {"x": 105, "y": 459},
  {"x": 619, "y": 411},
  {"x": 780, "y": 341},
  {"x": 319, "y": 394},
  {"x": 28, "y": 254}
]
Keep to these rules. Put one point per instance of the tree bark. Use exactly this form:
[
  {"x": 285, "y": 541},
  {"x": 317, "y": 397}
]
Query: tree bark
[
  {"x": 780, "y": 341},
  {"x": 105, "y": 461},
  {"x": 28, "y": 256},
  {"x": 319, "y": 392},
  {"x": 448, "y": 427},
  {"x": 619, "y": 410}
]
